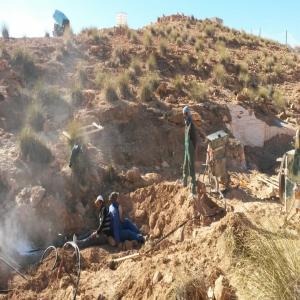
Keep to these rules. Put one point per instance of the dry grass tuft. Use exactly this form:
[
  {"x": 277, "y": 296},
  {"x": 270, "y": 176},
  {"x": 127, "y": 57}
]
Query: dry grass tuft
[
  {"x": 24, "y": 61},
  {"x": 35, "y": 116},
  {"x": 198, "y": 92},
  {"x": 219, "y": 73},
  {"x": 123, "y": 85},
  {"x": 32, "y": 148},
  {"x": 110, "y": 92},
  {"x": 268, "y": 267}
]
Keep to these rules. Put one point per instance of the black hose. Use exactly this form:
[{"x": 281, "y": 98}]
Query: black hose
[
  {"x": 44, "y": 255},
  {"x": 77, "y": 251},
  {"x": 168, "y": 234},
  {"x": 5, "y": 291}
]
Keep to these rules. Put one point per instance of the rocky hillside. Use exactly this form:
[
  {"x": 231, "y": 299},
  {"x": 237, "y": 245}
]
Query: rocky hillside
[{"x": 134, "y": 84}]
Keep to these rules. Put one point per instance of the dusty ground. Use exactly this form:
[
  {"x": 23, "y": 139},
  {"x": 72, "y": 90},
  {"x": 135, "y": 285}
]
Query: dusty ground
[{"x": 194, "y": 252}]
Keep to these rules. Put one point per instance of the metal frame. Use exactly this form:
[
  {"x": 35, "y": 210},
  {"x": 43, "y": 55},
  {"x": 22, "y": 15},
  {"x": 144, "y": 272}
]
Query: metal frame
[{"x": 86, "y": 130}]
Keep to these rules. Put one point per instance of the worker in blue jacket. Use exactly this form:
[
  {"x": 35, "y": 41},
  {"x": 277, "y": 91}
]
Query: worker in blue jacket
[{"x": 122, "y": 229}]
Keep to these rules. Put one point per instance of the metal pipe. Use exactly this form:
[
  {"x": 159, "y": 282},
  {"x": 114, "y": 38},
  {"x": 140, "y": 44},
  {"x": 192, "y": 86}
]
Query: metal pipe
[{"x": 12, "y": 267}]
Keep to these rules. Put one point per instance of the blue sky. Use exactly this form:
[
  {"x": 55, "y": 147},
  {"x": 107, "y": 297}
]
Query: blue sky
[{"x": 34, "y": 17}]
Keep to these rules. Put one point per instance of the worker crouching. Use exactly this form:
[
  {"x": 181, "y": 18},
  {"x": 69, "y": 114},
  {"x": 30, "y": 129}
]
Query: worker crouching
[{"x": 103, "y": 233}]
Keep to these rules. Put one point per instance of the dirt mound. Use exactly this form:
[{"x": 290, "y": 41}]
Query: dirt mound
[{"x": 159, "y": 208}]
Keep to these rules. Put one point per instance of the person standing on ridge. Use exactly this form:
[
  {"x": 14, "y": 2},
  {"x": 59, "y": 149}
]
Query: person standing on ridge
[{"x": 190, "y": 144}]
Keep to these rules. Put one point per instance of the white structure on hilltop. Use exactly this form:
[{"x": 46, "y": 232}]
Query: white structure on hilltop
[
  {"x": 217, "y": 20},
  {"x": 122, "y": 19}
]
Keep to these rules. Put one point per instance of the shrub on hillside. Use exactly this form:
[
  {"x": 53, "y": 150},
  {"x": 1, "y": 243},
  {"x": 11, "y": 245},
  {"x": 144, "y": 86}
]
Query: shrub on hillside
[
  {"x": 244, "y": 79},
  {"x": 147, "y": 41},
  {"x": 278, "y": 100},
  {"x": 267, "y": 266},
  {"x": 178, "y": 83},
  {"x": 35, "y": 116},
  {"x": 147, "y": 87},
  {"x": 49, "y": 96},
  {"x": 263, "y": 92},
  {"x": 200, "y": 62},
  {"x": 100, "y": 79},
  {"x": 163, "y": 47},
  {"x": 192, "y": 40},
  {"x": 189, "y": 288},
  {"x": 185, "y": 36},
  {"x": 32, "y": 148},
  {"x": 136, "y": 67},
  {"x": 243, "y": 67},
  {"x": 210, "y": 30},
  {"x": 278, "y": 70},
  {"x": 110, "y": 92},
  {"x": 134, "y": 37},
  {"x": 199, "y": 45},
  {"x": 81, "y": 75},
  {"x": 94, "y": 34},
  {"x": 151, "y": 62},
  {"x": 248, "y": 94},
  {"x": 153, "y": 31},
  {"x": 120, "y": 56},
  {"x": 146, "y": 93},
  {"x": 198, "y": 92},
  {"x": 76, "y": 95},
  {"x": 219, "y": 73},
  {"x": 5, "y": 31},
  {"x": 224, "y": 54},
  {"x": 169, "y": 30},
  {"x": 123, "y": 85},
  {"x": 269, "y": 63},
  {"x": 75, "y": 133},
  {"x": 179, "y": 41},
  {"x": 22, "y": 60},
  {"x": 185, "y": 60}
]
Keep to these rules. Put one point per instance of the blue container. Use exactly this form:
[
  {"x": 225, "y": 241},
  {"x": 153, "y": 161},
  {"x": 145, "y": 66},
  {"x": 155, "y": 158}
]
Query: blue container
[{"x": 60, "y": 18}]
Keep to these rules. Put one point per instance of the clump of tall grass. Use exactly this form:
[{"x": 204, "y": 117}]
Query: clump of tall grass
[
  {"x": 198, "y": 92},
  {"x": 123, "y": 85},
  {"x": 178, "y": 83},
  {"x": 24, "y": 61},
  {"x": 100, "y": 79},
  {"x": 151, "y": 62},
  {"x": 148, "y": 86},
  {"x": 32, "y": 148},
  {"x": 35, "y": 116},
  {"x": 136, "y": 67},
  {"x": 163, "y": 47},
  {"x": 219, "y": 73},
  {"x": 269, "y": 266},
  {"x": 49, "y": 95},
  {"x": 110, "y": 92},
  {"x": 147, "y": 41},
  {"x": 75, "y": 133}
]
